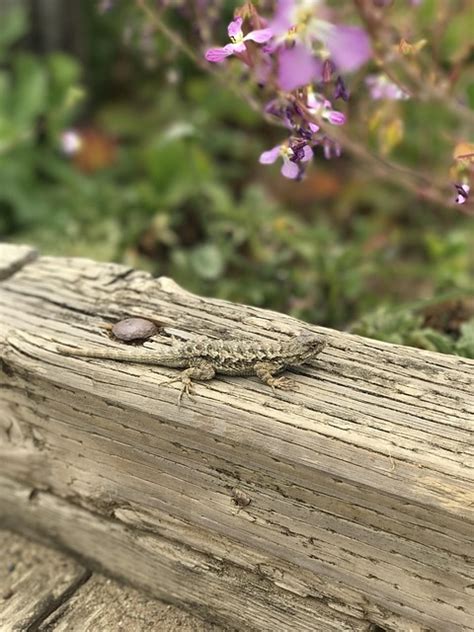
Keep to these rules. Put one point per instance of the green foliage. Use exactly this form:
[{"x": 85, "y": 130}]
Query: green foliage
[
  {"x": 184, "y": 196},
  {"x": 465, "y": 344},
  {"x": 403, "y": 327},
  {"x": 37, "y": 99},
  {"x": 14, "y": 26},
  {"x": 406, "y": 327},
  {"x": 456, "y": 41}
]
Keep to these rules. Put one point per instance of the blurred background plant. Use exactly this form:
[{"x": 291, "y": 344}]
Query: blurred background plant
[{"x": 115, "y": 145}]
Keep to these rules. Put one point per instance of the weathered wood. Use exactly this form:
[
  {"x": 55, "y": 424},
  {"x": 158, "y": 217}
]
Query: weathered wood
[
  {"x": 34, "y": 581},
  {"x": 103, "y": 605},
  {"x": 361, "y": 486},
  {"x": 13, "y": 258},
  {"x": 45, "y": 591},
  {"x": 241, "y": 589}
]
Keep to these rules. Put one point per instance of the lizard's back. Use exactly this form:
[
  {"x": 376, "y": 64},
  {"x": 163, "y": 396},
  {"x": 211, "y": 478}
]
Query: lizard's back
[{"x": 239, "y": 357}]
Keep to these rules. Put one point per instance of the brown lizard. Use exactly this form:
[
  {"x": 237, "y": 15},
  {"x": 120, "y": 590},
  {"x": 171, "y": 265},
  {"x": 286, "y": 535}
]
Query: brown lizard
[{"x": 202, "y": 358}]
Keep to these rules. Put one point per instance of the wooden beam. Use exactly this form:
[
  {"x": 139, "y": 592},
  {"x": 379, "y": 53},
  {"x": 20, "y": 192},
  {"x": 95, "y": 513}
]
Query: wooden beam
[
  {"x": 361, "y": 485},
  {"x": 13, "y": 258},
  {"x": 34, "y": 581},
  {"x": 103, "y": 604},
  {"x": 42, "y": 590}
]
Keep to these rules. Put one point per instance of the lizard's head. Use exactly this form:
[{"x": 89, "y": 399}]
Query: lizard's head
[{"x": 305, "y": 347}]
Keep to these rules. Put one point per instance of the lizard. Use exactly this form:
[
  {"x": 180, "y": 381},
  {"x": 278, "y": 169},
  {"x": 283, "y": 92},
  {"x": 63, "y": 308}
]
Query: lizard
[{"x": 203, "y": 357}]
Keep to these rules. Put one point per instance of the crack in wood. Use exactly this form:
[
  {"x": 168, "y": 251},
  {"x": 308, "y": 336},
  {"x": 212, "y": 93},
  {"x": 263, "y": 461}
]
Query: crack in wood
[{"x": 50, "y": 604}]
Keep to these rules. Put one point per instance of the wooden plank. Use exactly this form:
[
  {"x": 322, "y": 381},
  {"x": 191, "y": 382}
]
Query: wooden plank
[
  {"x": 243, "y": 591},
  {"x": 14, "y": 257},
  {"x": 45, "y": 591},
  {"x": 33, "y": 582},
  {"x": 361, "y": 482},
  {"x": 102, "y": 604}
]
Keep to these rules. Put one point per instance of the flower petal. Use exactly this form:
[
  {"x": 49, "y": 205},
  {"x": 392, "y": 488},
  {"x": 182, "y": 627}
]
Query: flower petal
[
  {"x": 462, "y": 193},
  {"x": 335, "y": 117},
  {"x": 283, "y": 14},
  {"x": 349, "y": 46},
  {"x": 260, "y": 35},
  {"x": 219, "y": 54},
  {"x": 307, "y": 154},
  {"x": 269, "y": 157},
  {"x": 235, "y": 28},
  {"x": 381, "y": 87},
  {"x": 238, "y": 47},
  {"x": 297, "y": 67},
  {"x": 290, "y": 169},
  {"x": 262, "y": 70}
]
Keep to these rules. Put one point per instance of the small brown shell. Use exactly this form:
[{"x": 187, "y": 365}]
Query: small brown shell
[{"x": 131, "y": 329}]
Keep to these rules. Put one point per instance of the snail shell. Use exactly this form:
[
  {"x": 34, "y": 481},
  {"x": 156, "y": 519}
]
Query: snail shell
[{"x": 131, "y": 329}]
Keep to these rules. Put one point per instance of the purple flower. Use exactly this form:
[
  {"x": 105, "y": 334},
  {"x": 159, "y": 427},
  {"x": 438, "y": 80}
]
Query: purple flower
[
  {"x": 349, "y": 46},
  {"x": 297, "y": 67},
  {"x": 334, "y": 117},
  {"x": 238, "y": 40},
  {"x": 291, "y": 158},
  {"x": 381, "y": 87},
  {"x": 301, "y": 21},
  {"x": 462, "y": 193},
  {"x": 282, "y": 109},
  {"x": 319, "y": 106},
  {"x": 293, "y": 14},
  {"x": 331, "y": 148}
]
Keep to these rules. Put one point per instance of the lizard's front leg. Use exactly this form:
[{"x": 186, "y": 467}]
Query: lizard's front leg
[
  {"x": 266, "y": 372},
  {"x": 203, "y": 371}
]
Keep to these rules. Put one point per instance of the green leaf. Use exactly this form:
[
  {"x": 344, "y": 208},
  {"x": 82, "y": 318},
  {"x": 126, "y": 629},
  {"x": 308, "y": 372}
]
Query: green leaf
[
  {"x": 29, "y": 98},
  {"x": 177, "y": 167},
  {"x": 387, "y": 324},
  {"x": 64, "y": 92},
  {"x": 470, "y": 95},
  {"x": 465, "y": 344},
  {"x": 7, "y": 134},
  {"x": 431, "y": 340},
  {"x": 427, "y": 12},
  {"x": 207, "y": 261},
  {"x": 64, "y": 71},
  {"x": 458, "y": 36},
  {"x": 14, "y": 25}
]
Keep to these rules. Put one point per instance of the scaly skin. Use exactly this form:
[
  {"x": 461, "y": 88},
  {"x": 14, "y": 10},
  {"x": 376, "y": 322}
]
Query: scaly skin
[{"x": 202, "y": 358}]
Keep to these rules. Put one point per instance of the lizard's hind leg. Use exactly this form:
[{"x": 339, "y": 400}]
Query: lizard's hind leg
[{"x": 203, "y": 371}]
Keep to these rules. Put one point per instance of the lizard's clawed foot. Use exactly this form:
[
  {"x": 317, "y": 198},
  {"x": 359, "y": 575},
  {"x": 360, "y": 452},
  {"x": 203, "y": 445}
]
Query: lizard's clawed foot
[
  {"x": 285, "y": 383},
  {"x": 266, "y": 372},
  {"x": 186, "y": 389}
]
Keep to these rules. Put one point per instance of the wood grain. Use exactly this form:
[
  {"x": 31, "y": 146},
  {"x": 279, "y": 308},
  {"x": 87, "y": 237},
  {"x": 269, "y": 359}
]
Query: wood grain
[
  {"x": 13, "y": 258},
  {"x": 103, "y": 605},
  {"x": 33, "y": 582},
  {"x": 42, "y": 590},
  {"x": 361, "y": 482}
]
